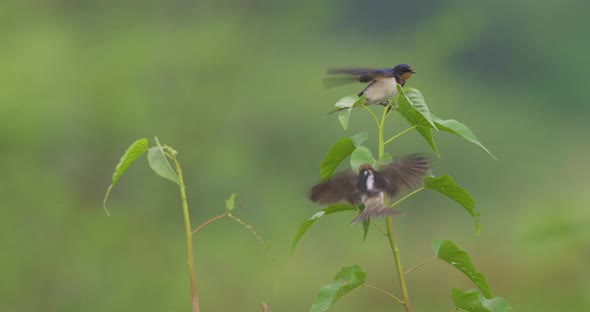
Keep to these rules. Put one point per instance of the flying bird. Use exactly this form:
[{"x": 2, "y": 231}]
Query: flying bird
[
  {"x": 382, "y": 82},
  {"x": 370, "y": 187}
]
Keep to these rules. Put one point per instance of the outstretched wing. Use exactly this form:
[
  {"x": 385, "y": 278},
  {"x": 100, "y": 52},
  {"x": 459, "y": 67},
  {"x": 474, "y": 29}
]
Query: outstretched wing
[
  {"x": 363, "y": 74},
  {"x": 341, "y": 187},
  {"x": 406, "y": 172}
]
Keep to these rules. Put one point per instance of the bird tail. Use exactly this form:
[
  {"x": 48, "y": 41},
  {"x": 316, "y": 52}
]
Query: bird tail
[{"x": 375, "y": 210}]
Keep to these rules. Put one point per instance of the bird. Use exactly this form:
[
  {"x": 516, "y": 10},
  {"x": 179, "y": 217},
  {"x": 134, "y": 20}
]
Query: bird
[
  {"x": 370, "y": 187},
  {"x": 383, "y": 82}
]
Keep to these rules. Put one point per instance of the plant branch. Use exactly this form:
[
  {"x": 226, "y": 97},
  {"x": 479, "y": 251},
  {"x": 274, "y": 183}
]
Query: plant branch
[
  {"x": 400, "y": 134},
  {"x": 420, "y": 264},
  {"x": 406, "y": 197},
  {"x": 249, "y": 228},
  {"x": 372, "y": 114},
  {"x": 209, "y": 222},
  {"x": 189, "y": 239},
  {"x": 379, "y": 228},
  {"x": 398, "y": 265},
  {"x": 264, "y": 307},
  {"x": 384, "y": 292}
]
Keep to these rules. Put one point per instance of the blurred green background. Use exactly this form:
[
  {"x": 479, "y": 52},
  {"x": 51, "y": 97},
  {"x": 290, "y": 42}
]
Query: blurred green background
[{"x": 236, "y": 88}]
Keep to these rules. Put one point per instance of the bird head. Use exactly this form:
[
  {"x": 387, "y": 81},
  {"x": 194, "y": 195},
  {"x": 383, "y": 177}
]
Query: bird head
[
  {"x": 403, "y": 72},
  {"x": 366, "y": 169}
]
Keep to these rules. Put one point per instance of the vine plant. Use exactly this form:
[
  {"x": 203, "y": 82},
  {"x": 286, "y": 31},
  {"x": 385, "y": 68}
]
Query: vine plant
[
  {"x": 411, "y": 106},
  {"x": 162, "y": 160}
]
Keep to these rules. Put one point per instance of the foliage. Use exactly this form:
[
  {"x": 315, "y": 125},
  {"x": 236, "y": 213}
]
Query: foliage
[{"x": 411, "y": 106}]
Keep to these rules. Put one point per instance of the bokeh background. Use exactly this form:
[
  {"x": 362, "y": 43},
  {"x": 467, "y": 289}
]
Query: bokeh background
[{"x": 236, "y": 88}]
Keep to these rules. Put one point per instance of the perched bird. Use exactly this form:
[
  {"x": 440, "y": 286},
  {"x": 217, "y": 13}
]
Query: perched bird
[
  {"x": 371, "y": 186},
  {"x": 383, "y": 82}
]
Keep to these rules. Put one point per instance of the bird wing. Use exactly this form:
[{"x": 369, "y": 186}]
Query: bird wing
[
  {"x": 341, "y": 187},
  {"x": 363, "y": 74},
  {"x": 406, "y": 172}
]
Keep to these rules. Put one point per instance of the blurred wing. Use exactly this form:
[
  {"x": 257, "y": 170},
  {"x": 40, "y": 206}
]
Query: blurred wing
[
  {"x": 363, "y": 74},
  {"x": 341, "y": 187},
  {"x": 406, "y": 172}
]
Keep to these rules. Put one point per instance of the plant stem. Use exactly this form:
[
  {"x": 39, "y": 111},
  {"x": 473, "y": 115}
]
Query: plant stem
[
  {"x": 398, "y": 264},
  {"x": 389, "y": 225},
  {"x": 406, "y": 197},
  {"x": 420, "y": 264},
  {"x": 384, "y": 292},
  {"x": 372, "y": 114},
  {"x": 399, "y": 134},
  {"x": 209, "y": 222},
  {"x": 189, "y": 240}
]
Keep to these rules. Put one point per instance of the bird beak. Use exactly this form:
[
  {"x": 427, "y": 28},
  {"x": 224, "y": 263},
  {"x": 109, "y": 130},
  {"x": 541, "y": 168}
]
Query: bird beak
[{"x": 413, "y": 72}]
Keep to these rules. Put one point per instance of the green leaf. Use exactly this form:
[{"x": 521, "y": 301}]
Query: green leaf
[
  {"x": 473, "y": 301},
  {"x": 460, "y": 130},
  {"x": 384, "y": 160},
  {"x": 366, "y": 223},
  {"x": 347, "y": 103},
  {"x": 133, "y": 152},
  {"x": 230, "y": 203},
  {"x": 361, "y": 155},
  {"x": 344, "y": 282},
  {"x": 447, "y": 186},
  {"x": 450, "y": 253},
  {"x": 160, "y": 165},
  {"x": 306, "y": 224},
  {"x": 413, "y": 108},
  {"x": 358, "y": 139},
  {"x": 338, "y": 152}
]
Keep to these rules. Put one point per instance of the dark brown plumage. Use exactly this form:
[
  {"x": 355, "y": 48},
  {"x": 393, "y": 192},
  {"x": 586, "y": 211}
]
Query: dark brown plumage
[{"x": 370, "y": 186}]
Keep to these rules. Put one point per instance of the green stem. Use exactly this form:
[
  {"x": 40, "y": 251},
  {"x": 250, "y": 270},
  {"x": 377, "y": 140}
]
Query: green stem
[
  {"x": 209, "y": 222},
  {"x": 189, "y": 240},
  {"x": 398, "y": 264},
  {"x": 407, "y": 196},
  {"x": 389, "y": 226},
  {"x": 420, "y": 264},
  {"x": 249, "y": 228},
  {"x": 372, "y": 114},
  {"x": 400, "y": 134},
  {"x": 384, "y": 292}
]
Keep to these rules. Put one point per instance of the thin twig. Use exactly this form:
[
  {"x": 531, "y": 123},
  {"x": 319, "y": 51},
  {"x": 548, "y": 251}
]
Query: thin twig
[
  {"x": 209, "y": 222},
  {"x": 384, "y": 292},
  {"x": 399, "y": 134},
  {"x": 249, "y": 228},
  {"x": 406, "y": 197},
  {"x": 264, "y": 307},
  {"x": 372, "y": 114},
  {"x": 379, "y": 228},
  {"x": 420, "y": 264}
]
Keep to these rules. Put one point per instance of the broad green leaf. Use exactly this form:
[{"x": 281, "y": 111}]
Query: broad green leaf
[
  {"x": 473, "y": 301},
  {"x": 344, "y": 282},
  {"x": 306, "y": 224},
  {"x": 384, "y": 160},
  {"x": 361, "y": 155},
  {"x": 347, "y": 103},
  {"x": 447, "y": 186},
  {"x": 133, "y": 152},
  {"x": 366, "y": 223},
  {"x": 230, "y": 203},
  {"x": 338, "y": 152},
  {"x": 358, "y": 139},
  {"x": 450, "y": 253},
  {"x": 426, "y": 133},
  {"x": 413, "y": 108},
  {"x": 460, "y": 130},
  {"x": 160, "y": 165}
]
